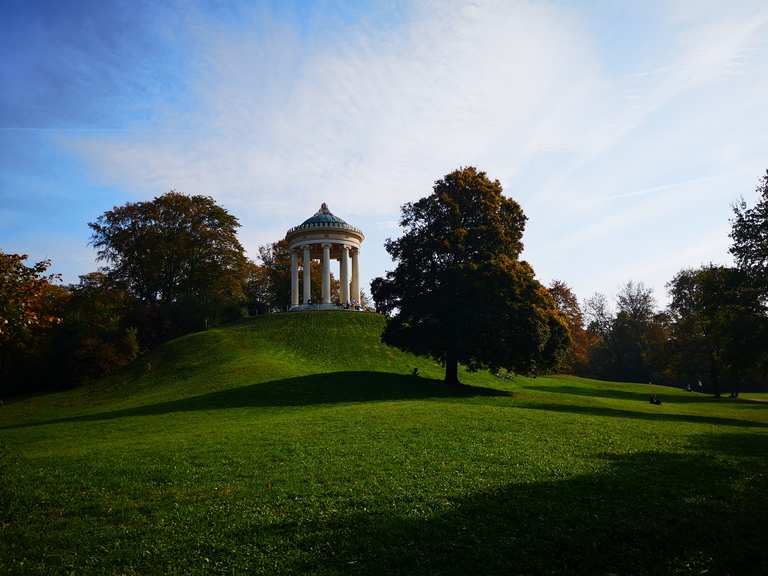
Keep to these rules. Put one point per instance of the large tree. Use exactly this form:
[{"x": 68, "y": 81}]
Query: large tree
[
  {"x": 719, "y": 326},
  {"x": 175, "y": 250},
  {"x": 636, "y": 301},
  {"x": 459, "y": 292},
  {"x": 749, "y": 233},
  {"x": 629, "y": 332},
  {"x": 630, "y": 344}
]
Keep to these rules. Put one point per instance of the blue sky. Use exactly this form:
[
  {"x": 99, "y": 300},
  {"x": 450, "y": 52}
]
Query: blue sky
[{"x": 624, "y": 129}]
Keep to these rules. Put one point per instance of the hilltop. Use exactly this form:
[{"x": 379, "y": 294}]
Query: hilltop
[{"x": 298, "y": 443}]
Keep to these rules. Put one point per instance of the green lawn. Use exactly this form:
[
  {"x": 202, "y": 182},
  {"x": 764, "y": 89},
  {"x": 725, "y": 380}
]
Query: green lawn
[{"x": 299, "y": 444}]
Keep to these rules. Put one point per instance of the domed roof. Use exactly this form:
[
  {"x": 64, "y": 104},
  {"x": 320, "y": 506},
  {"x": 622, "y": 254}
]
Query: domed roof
[{"x": 323, "y": 218}]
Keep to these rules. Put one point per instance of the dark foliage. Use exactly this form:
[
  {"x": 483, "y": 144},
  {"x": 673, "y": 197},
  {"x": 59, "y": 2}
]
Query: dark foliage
[
  {"x": 749, "y": 233},
  {"x": 459, "y": 293},
  {"x": 179, "y": 256},
  {"x": 268, "y": 285},
  {"x": 720, "y": 327},
  {"x": 629, "y": 345},
  {"x": 96, "y": 336},
  {"x": 30, "y": 309}
]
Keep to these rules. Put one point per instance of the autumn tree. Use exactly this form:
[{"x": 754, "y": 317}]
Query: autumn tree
[
  {"x": 30, "y": 306},
  {"x": 97, "y": 335},
  {"x": 275, "y": 264},
  {"x": 256, "y": 288},
  {"x": 575, "y": 359},
  {"x": 270, "y": 280},
  {"x": 459, "y": 292},
  {"x": 177, "y": 252}
]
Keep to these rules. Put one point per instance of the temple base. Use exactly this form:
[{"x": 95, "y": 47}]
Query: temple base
[{"x": 310, "y": 307}]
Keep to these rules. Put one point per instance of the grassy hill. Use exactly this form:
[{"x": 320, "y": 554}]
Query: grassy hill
[{"x": 300, "y": 444}]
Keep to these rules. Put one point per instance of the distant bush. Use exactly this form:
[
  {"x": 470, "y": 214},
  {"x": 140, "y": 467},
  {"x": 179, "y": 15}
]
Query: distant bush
[{"x": 96, "y": 357}]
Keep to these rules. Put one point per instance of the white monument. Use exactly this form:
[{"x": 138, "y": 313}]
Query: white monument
[{"x": 325, "y": 237}]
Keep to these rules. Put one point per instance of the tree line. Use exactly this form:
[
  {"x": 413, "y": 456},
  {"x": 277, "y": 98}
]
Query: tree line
[
  {"x": 169, "y": 266},
  {"x": 713, "y": 335},
  {"x": 459, "y": 293}
]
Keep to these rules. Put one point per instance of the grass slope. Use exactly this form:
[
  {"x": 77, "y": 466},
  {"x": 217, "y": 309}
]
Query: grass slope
[{"x": 300, "y": 444}]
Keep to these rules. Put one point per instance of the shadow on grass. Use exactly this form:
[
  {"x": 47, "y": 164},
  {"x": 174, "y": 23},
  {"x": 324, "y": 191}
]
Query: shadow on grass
[
  {"x": 691, "y": 397},
  {"x": 658, "y": 415},
  {"x": 327, "y": 388},
  {"x": 736, "y": 445},
  {"x": 646, "y": 513}
]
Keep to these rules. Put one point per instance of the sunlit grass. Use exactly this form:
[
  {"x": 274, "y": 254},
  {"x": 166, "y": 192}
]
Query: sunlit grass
[{"x": 300, "y": 444}]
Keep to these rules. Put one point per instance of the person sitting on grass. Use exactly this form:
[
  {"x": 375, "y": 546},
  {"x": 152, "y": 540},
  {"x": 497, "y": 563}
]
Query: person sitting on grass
[{"x": 655, "y": 400}]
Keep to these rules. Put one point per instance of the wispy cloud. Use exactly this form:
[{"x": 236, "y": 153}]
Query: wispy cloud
[
  {"x": 660, "y": 188},
  {"x": 370, "y": 118},
  {"x": 368, "y": 114}
]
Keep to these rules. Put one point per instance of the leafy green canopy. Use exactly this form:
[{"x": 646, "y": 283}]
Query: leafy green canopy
[
  {"x": 459, "y": 292},
  {"x": 749, "y": 233},
  {"x": 174, "y": 250},
  {"x": 720, "y": 325}
]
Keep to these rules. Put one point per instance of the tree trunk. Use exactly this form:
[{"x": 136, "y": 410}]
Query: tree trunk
[
  {"x": 735, "y": 384},
  {"x": 714, "y": 372},
  {"x": 452, "y": 369}
]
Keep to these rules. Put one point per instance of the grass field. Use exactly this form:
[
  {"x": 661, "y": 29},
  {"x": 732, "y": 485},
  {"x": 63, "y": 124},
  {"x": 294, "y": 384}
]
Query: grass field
[{"x": 299, "y": 444}]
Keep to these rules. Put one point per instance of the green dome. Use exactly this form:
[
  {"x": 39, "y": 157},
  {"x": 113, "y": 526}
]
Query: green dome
[{"x": 323, "y": 217}]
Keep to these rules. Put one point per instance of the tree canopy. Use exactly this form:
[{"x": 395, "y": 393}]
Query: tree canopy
[
  {"x": 749, "y": 233},
  {"x": 720, "y": 325},
  {"x": 97, "y": 334},
  {"x": 30, "y": 307},
  {"x": 174, "y": 250},
  {"x": 575, "y": 358},
  {"x": 268, "y": 287},
  {"x": 459, "y": 292}
]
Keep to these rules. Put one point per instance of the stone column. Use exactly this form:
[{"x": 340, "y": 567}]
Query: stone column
[
  {"x": 344, "y": 273},
  {"x": 294, "y": 279},
  {"x": 355, "y": 277},
  {"x": 326, "y": 273},
  {"x": 306, "y": 275}
]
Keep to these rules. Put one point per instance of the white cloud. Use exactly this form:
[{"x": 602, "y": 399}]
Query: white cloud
[
  {"x": 369, "y": 119},
  {"x": 366, "y": 116}
]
